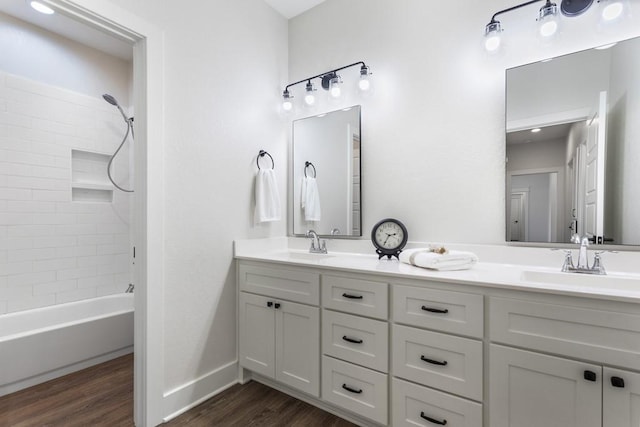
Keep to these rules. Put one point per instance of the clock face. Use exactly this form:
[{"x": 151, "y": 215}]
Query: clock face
[{"x": 389, "y": 237}]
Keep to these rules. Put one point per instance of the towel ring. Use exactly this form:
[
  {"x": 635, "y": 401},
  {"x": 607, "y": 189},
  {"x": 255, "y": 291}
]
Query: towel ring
[
  {"x": 262, "y": 154},
  {"x": 306, "y": 165}
]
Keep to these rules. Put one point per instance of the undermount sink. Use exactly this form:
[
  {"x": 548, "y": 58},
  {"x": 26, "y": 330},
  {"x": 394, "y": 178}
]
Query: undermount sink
[
  {"x": 582, "y": 280},
  {"x": 308, "y": 256}
]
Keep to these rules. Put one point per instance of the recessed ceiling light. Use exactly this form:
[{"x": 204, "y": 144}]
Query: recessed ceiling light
[
  {"x": 536, "y": 130},
  {"x": 42, "y": 8}
]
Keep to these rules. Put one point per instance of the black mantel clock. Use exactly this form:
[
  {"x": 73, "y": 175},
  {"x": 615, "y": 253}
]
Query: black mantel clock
[{"x": 389, "y": 237}]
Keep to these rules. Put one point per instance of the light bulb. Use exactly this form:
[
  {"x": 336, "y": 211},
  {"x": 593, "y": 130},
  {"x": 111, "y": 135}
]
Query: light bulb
[
  {"x": 42, "y": 8},
  {"x": 364, "y": 84},
  {"x": 309, "y": 96},
  {"x": 548, "y": 20},
  {"x": 287, "y": 104},
  {"x": 335, "y": 89},
  {"x": 612, "y": 10},
  {"x": 492, "y": 38}
]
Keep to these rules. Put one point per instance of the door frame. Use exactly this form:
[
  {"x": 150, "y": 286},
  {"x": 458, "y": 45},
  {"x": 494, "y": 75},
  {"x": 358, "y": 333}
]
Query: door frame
[
  {"x": 148, "y": 199},
  {"x": 524, "y": 202}
]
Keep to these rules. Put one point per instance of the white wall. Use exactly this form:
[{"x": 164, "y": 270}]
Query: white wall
[
  {"x": 433, "y": 134},
  {"x": 43, "y": 56},
  {"x": 225, "y": 65}
]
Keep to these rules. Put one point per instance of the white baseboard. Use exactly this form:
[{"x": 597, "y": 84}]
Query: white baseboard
[{"x": 193, "y": 393}]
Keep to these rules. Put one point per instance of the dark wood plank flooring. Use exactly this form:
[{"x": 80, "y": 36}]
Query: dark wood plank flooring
[{"x": 103, "y": 396}]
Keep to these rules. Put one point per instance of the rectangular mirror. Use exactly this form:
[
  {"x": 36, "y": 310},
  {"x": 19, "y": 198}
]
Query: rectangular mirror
[
  {"x": 573, "y": 147},
  {"x": 326, "y": 174}
]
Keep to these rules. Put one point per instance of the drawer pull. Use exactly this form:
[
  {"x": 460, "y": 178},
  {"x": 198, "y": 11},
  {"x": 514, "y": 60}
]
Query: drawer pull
[
  {"x": 346, "y": 295},
  {"x": 617, "y": 382},
  {"x": 589, "y": 375},
  {"x": 352, "y": 390},
  {"x": 433, "y": 362},
  {"x": 269, "y": 303},
  {"x": 435, "y": 310},
  {"x": 352, "y": 340},
  {"x": 433, "y": 420},
  {"x": 277, "y": 305}
]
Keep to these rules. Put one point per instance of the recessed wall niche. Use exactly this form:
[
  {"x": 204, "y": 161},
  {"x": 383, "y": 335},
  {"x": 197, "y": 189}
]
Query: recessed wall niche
[{"x": 89, "y": 180}]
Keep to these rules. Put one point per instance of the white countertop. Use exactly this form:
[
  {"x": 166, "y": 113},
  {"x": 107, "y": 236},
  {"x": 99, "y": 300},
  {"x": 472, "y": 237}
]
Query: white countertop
[{"x": 527, "y": 276}]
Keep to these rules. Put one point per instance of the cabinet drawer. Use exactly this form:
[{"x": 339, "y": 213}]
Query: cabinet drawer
[
  {"x": 293, "y": 285},
  {"x": 414, "y": 405},
  {"x": 355, "y": 296},
  {"x": 449, "y": 363},
  {"x": 446, "y": 311},
  {"x": 354, "y": 388},
  {"x": 599, "y": 334},
  {"x": 356, "y": 339}
]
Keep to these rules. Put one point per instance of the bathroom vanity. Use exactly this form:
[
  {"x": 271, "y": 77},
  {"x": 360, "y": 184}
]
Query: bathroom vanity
[{"x": 383, "y": 343}]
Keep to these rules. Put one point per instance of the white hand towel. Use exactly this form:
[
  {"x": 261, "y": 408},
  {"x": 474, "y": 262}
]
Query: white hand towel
[
  {"x": 267, "y": 196},
  {"x": 310, "y": 199},
  {"x": 426, "y": 258}
]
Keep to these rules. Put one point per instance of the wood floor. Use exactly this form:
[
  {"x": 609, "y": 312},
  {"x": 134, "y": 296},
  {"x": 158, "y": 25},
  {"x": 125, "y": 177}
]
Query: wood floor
[{"x": 103, "y": 396}]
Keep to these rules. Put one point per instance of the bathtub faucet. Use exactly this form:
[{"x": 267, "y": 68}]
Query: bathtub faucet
[{"x": 130, "y": 289}]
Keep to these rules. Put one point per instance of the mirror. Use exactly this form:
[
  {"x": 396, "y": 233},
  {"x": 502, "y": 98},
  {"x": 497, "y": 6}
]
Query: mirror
[
  {"x": 573, "y": 147},
  {"x": 326, "y": 174}
]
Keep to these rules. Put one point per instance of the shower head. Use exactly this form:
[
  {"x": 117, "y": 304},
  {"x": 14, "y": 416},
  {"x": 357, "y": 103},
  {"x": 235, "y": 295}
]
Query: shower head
[{"x": 111, "y": 100}]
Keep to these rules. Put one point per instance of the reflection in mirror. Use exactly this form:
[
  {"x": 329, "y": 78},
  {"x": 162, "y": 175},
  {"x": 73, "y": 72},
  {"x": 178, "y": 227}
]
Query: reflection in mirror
[
  {"x": 326, "y": 174},
  {"x": 573, "y": 147}
]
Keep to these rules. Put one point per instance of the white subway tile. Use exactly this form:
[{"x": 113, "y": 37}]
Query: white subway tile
[
  {"x": 4, "y": 258},
  {"x": 75, "y": 295},
  {"x": 54, "y": 287},
  {"x": 76, "y": 273},
  {"x": 28, "y": 206},
  {"x": 19, "y": 169},
  {"x": 54, "y": 264},
  {"x": 4, "y": 231},
  {"x": 3, "y": 307},
  {"x": 112, "y": 229},
  {"x": 96, "y": 260},
  {"x": 31, "y": 254},
  {"x": 52, "y": 126},
  {"x": 29, "y": 230},
  {"x": 75, "y": 251},
  {"x": 28, "y": 303},
  {"x": 13, "y": 243},
  {"x": 113, "y": 268},
  {"x": 112, "y": 289},
  {"x": 15, "y": 268},
  {"x": 52, "y": 173},
  {"x": 54, "y": 241},
  {"x": 28, "y": 158},
  {"x": 53, "y": 196},
  {"x": 53, "y": 218},
  {"x": 95, "y": 281},
  {"x": 15, "y": 194},
  {"x": 15, "y": 219},
  {"x": 102, "y": 239},
  {"x": 25, "y": 279},
  {"x": 15, "y": 292},
  {"x": 15, "y": 119},
  {"x": 76, "y": 229},
  {"x": 49, "y": 149},
  {"x": 38, "y": 183},
  {"x": 112, "y": 249}
]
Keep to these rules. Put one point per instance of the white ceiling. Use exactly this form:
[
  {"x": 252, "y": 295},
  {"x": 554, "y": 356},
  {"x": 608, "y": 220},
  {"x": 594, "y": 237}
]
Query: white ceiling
[
  {"x": 291, "y": 8},
  {"x": 560, "y": 131},
  {"x": 69, "y": 28}
]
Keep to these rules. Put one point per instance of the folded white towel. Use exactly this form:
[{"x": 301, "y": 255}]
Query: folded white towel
[
  {"x": 426, "y": 258},
  {"x": 310, "y": 199},
  {"x": 267, "y": 196}
]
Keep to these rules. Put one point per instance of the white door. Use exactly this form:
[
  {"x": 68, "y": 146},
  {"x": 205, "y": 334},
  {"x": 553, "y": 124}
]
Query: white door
[
  {"x": 518, "y": 217},
  {"x": 529, "y": 389},
  {"x": 298, "y": 346},
  {"x": 256, "y": 332},
  {"x": 621, "y": 400},
  {"x": 595, "y": 163}
]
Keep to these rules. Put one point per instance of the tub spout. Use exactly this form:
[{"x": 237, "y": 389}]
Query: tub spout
[{"x": 130, "y": 289}]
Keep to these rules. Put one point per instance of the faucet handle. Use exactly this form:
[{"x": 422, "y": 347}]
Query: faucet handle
[
  {"x": 568, "y": 261},
  {"x": 597, "y": 263}
]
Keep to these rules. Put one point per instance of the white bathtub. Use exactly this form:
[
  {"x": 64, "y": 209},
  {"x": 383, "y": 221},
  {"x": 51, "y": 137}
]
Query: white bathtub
[{"x": 45, "y": 343}]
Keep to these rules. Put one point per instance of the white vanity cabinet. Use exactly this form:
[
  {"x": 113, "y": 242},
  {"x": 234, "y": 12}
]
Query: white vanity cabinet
[
  {"x": 355, "y": 345},
  {"x": 280, "y": 338},
  {"x": 561, "y": 376},
  {"x": 446, "y": 370}
]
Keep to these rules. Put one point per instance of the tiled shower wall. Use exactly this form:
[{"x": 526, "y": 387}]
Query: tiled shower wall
[{"x": 52, "y": 249}]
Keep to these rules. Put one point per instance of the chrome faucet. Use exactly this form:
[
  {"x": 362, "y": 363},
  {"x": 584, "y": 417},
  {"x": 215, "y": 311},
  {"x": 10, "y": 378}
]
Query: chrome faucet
[
  {"x": 583, "y": 260},
  {"x": 317, "y": 247}
]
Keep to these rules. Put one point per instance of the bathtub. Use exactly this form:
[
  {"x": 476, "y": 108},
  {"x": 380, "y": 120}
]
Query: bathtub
[{"x": 45, "y": 343}]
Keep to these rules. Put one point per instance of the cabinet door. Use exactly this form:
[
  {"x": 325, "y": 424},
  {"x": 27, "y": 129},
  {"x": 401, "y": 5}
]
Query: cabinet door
[
  {"x": 621, "y": 400},
  {"x": 257, "y": 334},
  {"x": 298, "y": 346},
  {"x": 530, "y": 389}
]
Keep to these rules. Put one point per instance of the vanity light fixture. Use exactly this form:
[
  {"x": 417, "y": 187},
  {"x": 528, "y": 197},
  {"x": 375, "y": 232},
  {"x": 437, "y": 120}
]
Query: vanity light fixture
[
  {"x": 42, "y": 8},
  {"x": 331, "y": 81},
  {"x": 549, "y": 18}
]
